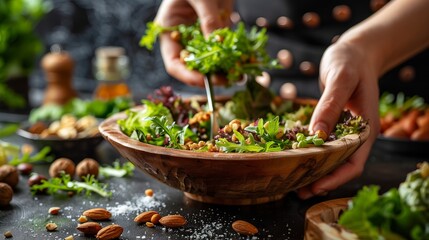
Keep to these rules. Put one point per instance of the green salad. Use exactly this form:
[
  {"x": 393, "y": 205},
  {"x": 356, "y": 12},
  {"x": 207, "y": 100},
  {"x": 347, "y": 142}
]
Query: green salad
[
  {"x": 230, "y": 52},
  {"x": 246, "y": 124},
  {"x": 400, "y": 213}
]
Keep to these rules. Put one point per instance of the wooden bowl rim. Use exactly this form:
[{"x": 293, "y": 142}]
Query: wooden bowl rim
[{"x": 109, "y": 129}]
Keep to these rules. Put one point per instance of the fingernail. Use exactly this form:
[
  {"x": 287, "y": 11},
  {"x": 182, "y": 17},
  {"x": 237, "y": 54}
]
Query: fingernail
[{"x": 319, "y": 126}]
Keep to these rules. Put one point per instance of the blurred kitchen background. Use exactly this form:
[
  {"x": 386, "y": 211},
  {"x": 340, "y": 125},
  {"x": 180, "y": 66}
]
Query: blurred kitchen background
[{"x": 82, "y": 26}]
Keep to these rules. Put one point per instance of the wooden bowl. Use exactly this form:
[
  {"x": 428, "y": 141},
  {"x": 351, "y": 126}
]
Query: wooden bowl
[
  {"x": 232, "y": 178},
  {"x": 321, "y": 219}
]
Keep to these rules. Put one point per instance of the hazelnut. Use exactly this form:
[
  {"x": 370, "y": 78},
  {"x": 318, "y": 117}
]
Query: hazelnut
[
  {"x": 25, "y": 168},
  {"x": 36, "y": 179},
  {"x": 62, "y": 165},
  {"x": 9, "y": 175},
  {"x": 6, "y": 194},
  {"x": 87, "y": 166}
]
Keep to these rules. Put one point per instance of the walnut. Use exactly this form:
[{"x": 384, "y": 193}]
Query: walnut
[
  {"x": 62, "y": 165},
  {"x": 87, "y": 166},
  {"x": 6, "y": 194},
  {"x": 9, "y": 175}
]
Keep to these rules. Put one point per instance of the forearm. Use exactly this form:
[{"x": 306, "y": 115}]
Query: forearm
[{"x": 395, "y": 33}]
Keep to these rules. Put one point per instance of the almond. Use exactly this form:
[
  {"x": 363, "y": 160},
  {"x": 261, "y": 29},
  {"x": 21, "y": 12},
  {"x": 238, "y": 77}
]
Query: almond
[
  {"x": 173, "y": 221},
  {"x": 54, "y": 210},
  {"x": 110, "y": 232},
  {"x": 89, "y": 228},
  {"x": 155, "y": 218},
  {"x": 97, "y": 214},
  {"x": 144, "y": 216},
  {"x": 244, "y": 228}
]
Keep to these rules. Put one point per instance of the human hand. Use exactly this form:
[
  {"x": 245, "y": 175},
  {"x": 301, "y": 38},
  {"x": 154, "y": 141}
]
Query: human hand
[
  {"x": 349, "y": 77},
  {"x": 212, "y": 14}
]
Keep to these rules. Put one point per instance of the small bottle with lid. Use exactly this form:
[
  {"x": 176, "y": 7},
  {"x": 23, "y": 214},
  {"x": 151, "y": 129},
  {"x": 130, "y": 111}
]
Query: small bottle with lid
[{"x": 111, "y": 71}]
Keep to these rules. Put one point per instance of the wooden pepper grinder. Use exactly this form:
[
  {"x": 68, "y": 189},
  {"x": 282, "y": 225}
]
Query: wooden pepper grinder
[{"x": 58, "y": 67}]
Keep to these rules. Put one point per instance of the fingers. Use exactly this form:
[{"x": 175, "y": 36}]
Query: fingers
[
  {"x": 170, "y": 52},
  {"x": 343, "y": 174},
  {"x": 338, "y": 90},
  {"x": 212, "y": 14}
]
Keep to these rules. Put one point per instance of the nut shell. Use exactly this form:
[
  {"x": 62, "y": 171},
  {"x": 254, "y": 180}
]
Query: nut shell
[
  {"x": 6, "y": 194},
  {"x": 87, "y": 166},
  {"x": 62, "y": 165},
  {"x": 9, "y": 175}
]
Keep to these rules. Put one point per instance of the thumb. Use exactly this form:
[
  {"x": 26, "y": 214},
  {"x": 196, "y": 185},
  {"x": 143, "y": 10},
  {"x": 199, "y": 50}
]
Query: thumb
[{"x": 209, "y": 14}]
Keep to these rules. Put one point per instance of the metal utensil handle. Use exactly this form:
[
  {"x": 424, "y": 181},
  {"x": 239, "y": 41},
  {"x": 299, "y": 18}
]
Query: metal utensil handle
[{"x": 210, "y": 103}]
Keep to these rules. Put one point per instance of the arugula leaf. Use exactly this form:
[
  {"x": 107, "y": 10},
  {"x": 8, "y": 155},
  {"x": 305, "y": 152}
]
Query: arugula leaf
[
  {"x": 66, "y": 184},
  {"x": 175, "y": 133}
]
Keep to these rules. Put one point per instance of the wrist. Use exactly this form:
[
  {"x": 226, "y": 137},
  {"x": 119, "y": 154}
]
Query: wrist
[{"x": 364, "y": 42}]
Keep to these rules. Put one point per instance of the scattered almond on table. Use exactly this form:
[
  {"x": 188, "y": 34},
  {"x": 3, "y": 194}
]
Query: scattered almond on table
[
  {"x": 89, "y": 228},
  {"x": 110, "y": 232},
  {"x": 244, "y": 228},
  {"x": 145, "y": 216},
  {"x": 54, "y": 210},
  {"x": 97, "y": 214},
  {"x": 173, "y": 221}
]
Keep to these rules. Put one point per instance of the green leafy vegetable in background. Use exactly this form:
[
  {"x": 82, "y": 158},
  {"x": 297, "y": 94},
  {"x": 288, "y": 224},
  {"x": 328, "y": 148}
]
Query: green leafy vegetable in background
[
  {"x": 234, "y": 53},
  {"x": 399, "y": 104},
  {"x": 19, "y": 45},
  {"x": 66, "y": 184},
  {"x": 80, "y": 108},
  {"x": 396, "y": 214},
  {"x": 116, "y": 170},
  {"x": 8, "y": 129}
]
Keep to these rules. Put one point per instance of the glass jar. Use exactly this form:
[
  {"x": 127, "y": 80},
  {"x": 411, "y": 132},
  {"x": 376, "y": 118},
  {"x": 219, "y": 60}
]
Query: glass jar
[{"x": 111, "y": 69}]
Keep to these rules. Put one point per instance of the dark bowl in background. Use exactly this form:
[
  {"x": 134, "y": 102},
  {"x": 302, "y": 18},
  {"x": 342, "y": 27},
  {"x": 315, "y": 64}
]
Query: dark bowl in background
[{"x": 76, "y": 149}]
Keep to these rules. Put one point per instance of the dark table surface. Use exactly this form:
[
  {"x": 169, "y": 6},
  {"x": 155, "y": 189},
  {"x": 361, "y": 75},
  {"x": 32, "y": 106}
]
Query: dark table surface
[{"x": 283, "y": 219}]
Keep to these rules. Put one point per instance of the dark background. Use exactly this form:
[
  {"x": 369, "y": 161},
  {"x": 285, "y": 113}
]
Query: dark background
[{"x": 81, "y": 26}]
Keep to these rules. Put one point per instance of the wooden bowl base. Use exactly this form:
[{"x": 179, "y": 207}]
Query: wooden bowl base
[{"x": 234, "y": 201}]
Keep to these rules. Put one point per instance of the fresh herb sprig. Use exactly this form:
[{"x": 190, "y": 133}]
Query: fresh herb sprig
[
  {"x": 117, "y": 170},
  {"x": 66, "y": 184},
  {"x": 233, "y": 53}
]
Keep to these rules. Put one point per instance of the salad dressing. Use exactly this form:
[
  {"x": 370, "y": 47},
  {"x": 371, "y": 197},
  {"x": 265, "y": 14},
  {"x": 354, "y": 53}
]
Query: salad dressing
[{"x": 111, "y": 70}]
